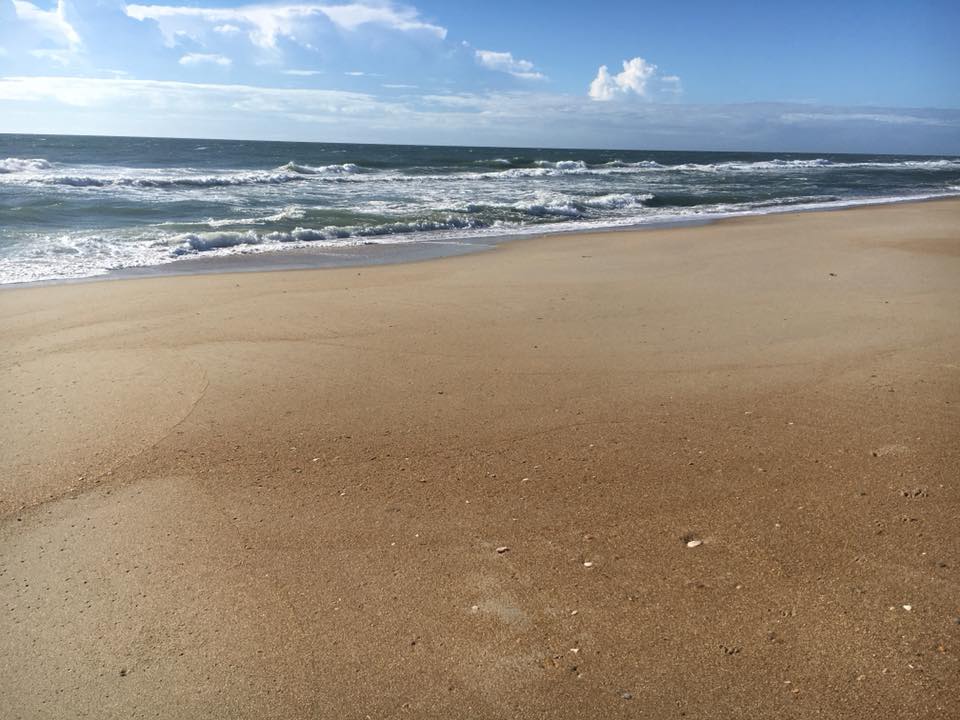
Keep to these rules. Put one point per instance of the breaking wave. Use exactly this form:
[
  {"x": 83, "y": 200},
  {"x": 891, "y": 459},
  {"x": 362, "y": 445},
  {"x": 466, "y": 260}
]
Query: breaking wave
[
  {"x": 536, "y": 209},
  {"x": 13, "y": 165},
  {"x": 562, "y": 164},
  {"x": 35, "y": 171},
  {"x": 193, "y": 243},
  {"x": 289, "y": 213},
  {"x": 617, "y": 200},
  {"x": 76, "y": 207},
  {"x": 342, "y": 169},
  {"x": 291, "y": 172},
  {"x": 546, "y": 168},
  {"x": 184, "y": 181}
]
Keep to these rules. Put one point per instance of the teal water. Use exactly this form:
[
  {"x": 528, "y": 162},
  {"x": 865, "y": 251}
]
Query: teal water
[{"x": 74, "y": 207}]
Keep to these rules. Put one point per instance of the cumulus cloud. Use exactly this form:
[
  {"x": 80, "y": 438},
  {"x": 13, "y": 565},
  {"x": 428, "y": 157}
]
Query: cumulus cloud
[
  {"x": 265, "y": 25},
  {"x": 205, "y": 59},
  {"x": 507, "y": 63},
  {"x": 52, "y": 24},
  {"x": 635, "y": 79}
]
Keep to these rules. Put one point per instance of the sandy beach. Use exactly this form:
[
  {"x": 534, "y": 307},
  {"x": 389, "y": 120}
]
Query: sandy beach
[{"x": 701, "y": 472}]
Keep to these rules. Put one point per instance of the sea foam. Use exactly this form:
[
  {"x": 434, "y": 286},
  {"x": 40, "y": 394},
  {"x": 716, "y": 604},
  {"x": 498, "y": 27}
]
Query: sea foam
[
  {"x": 15, "y": 165},
  {"x": 161, "y": 182},
  {"x": 341, "y": 169}
]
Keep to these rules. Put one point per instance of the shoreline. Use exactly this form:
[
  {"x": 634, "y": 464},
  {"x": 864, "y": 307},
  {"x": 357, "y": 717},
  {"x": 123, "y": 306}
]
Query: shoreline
[
  {"x": 684, "y": 471},
  {"x": 374, "y": 254}
]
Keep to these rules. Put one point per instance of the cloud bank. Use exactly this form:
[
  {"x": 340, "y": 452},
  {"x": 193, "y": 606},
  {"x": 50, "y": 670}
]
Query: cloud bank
[
  {"x": 265, "y": 25},
  {"x": 146, "y": 107}
]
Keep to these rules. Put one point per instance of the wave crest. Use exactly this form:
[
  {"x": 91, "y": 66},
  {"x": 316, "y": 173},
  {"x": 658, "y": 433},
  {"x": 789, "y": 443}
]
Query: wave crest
[
  {"x": 562, "y": 164},
  {"x": 341, "y": 169},
  {"x": 196, "y": 243},
  {"x": 613, "y": 201},
  {"x": 186, "y": 181},
  {"x": 13, "y": 165}
]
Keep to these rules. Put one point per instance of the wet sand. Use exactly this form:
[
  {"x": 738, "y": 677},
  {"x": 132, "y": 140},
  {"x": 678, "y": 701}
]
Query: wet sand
[{"x": 465, "y": 487}]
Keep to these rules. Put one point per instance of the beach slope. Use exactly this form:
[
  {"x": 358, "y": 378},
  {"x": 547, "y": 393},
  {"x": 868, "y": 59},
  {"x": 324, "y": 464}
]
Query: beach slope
[{"x": 695, "y": 472}]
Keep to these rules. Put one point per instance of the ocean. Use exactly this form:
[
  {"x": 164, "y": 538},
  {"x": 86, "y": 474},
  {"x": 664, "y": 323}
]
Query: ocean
[{"x": 75, "y": 207}]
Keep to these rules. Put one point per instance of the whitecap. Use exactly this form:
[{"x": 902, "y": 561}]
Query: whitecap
[
  {"x": 160, "y": 181},
  {"x": 14, "y": 165},
  {"x": 614, "y": 201},
  {"x": 341, "y": 169},
  {"x": 562, "y": 164}
]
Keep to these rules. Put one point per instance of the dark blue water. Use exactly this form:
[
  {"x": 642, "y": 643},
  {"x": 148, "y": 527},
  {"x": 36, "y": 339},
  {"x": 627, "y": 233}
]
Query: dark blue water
[{"x": 83, "y": 206}]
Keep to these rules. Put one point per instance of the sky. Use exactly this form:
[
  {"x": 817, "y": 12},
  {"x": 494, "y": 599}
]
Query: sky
[{"x": 839, "y": 76}]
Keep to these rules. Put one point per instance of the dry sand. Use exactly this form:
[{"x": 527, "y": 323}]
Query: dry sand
[{"x": 281, "y": 495}]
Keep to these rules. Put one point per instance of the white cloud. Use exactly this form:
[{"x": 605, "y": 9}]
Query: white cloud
[
  {"x": 602, "y": 87},
  {"x": 90, "y": 92},
  {"x": 507, "y": 63},
  {"x": 52, "y": 24},
  {"x": 671, "y": 84},
  {"x": 354, "y": 15},
  {"x": 634, "y": 79},
  {"x": 399, "y": 86},
  {"x": 303, "y": 73},
  {"x": 860, "y": 117},
  {"x": 205, "y": 59},
  {"x": 61, "y": 57},
  {"x": 266, "y": 24}
]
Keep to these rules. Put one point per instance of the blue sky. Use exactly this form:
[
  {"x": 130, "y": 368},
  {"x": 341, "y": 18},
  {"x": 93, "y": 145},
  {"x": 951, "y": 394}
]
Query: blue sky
[{"x": 818, "y": 76}]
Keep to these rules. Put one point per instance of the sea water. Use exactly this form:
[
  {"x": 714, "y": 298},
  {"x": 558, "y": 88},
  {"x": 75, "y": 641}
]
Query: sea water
[{"x": 73, "y": 207}]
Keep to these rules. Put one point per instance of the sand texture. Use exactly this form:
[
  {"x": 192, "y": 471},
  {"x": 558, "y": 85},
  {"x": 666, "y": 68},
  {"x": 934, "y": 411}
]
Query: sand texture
[{"x": 465, "y": 488}]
